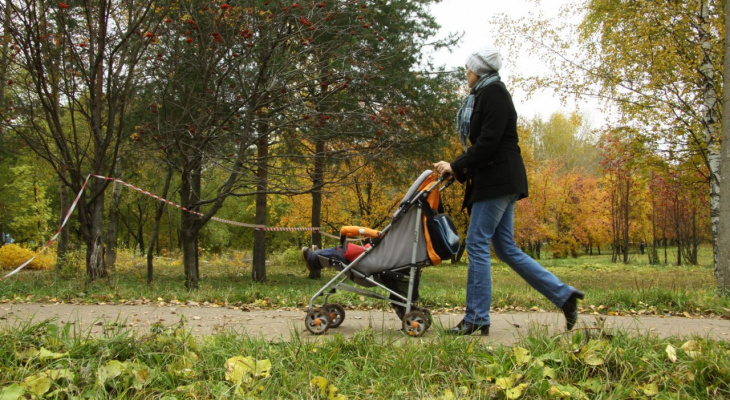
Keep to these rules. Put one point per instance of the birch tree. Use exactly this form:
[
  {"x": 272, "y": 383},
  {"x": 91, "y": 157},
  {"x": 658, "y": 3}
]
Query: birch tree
[{"x": 722, "y": 262}]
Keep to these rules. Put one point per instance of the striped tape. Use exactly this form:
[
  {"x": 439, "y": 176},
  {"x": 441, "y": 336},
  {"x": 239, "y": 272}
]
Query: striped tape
[
  {"x": 225, "y": 221},
  {"x": 158, "y": 198},
  {"x": 53, "y": 239}
]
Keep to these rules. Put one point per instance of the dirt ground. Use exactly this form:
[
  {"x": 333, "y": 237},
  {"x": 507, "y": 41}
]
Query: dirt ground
[{"x": 281, "y": 324}]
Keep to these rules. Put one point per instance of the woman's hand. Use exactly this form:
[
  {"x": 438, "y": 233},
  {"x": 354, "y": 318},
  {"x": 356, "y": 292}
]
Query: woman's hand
[{"x": 443, "y": 168}]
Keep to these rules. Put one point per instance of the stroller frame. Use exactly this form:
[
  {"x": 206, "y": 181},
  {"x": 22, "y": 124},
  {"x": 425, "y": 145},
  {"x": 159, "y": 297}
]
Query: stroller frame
[{"x": 415, "y": 320}]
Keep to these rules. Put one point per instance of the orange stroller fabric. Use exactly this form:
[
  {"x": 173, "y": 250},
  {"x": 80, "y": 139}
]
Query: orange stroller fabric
[{"x": 433, "y": 202}]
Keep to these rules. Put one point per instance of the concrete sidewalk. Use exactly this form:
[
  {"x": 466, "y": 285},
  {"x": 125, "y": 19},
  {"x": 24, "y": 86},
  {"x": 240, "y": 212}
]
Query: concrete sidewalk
[{"x": 281, "y": 324}]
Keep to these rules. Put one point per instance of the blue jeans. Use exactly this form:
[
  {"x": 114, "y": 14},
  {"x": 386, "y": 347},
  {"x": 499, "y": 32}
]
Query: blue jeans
[{"x": 493, "y": 220}]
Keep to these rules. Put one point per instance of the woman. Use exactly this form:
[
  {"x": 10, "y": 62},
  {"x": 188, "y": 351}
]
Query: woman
[{"x": 495, "y": 178}]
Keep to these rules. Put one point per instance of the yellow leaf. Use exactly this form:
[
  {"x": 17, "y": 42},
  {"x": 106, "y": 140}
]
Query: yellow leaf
[
  {"x": 42, "y": 354},
  {"x": 333, "y": 395},
  {"x": 522, "y": 356},
  {"x": 561, "y": 394},
  {"x": 56, "y": 374},
  {"x": 516, "y": 392},
  {"x": 111, "y": 369},
  {"x": 508, "y": 382},
  {"x": 504, "y": 383},
  {"x": 37, "y": 384},
  {"x": 593, "y": 359},
  {"x": 650, "y": 389},
  {"x": 141, "y": 377},
  {"x": 671, "y": 353},
  {"x": 12, "y": 392},
  {"x": 241, "y": 369},
  {"x": 690, "y": 347},
  {"x": 319, "y": 382},
  {"x": 592, "y": 385}
]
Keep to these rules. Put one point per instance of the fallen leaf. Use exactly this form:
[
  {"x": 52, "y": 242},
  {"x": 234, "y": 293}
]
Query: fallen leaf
[
  {"x": 12, "y": 392},
  {"x": 650, "y": 389},
  {"x": 522, "y": 356},
  {"x": 516, "y": 392},
  {"x": 671, "y": 353},
  {"x": 244, "y": 369},
  {"x": 37, "y": 384},
  {"x": 111, "y": 369}
]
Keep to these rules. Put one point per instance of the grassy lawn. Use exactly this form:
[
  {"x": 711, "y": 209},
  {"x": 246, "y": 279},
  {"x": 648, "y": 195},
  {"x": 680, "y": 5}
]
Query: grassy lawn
[
  {"x": 609, "y": 287},
  {"x": 44, "y": 360}
]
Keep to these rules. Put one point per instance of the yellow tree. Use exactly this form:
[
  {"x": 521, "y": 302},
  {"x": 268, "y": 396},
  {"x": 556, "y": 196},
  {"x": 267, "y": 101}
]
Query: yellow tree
[
  {"x": 591, "y": 223},
  {"x": 656, "y": 63},
  {"x": 566, "y": 138}
]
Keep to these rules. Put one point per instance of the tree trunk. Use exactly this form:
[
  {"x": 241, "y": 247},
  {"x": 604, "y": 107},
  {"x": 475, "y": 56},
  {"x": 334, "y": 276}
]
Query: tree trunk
[
  {"x": 317, "y": 185},
  {"x": 626, "y": 221},
  {"x": 258, "y": 271},
  {"x": 63, "y": 238},
  {"x": 156, "y": 227},
  {"x": 722, "y": 256},
  {"x": 92, "y": 229},
  {"x": 140, "y": 226},
  {"x": 190, "y": 223},
  {"x": 110, "y": 256},
  {"x": 190, "y": 254},
  {"x": 4, "y": 59}
]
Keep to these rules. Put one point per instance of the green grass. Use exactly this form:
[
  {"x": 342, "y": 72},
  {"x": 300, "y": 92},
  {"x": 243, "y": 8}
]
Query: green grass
[
  {"x": 609, "y": 287},
  {"x": 168, "y": 363},
  {"x": 51, "y": 361}
]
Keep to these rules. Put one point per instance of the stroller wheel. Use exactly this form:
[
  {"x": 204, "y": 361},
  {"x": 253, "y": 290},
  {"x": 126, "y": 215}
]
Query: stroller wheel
[
  {"x": 429, "y": 317},
  {"x": 336, "y": 314},
  {"x": 317, "y": 321},
  {"x": 415, "y": 323}
]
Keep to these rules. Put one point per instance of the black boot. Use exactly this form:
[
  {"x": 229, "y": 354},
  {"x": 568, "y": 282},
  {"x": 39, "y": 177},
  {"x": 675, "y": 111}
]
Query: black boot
[
  {"x": 467, "y": 328},
  {"x": 570, "y": 308}
]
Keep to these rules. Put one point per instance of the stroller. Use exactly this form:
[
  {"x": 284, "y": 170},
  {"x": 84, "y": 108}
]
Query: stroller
[{"x": 392, "y": 261}]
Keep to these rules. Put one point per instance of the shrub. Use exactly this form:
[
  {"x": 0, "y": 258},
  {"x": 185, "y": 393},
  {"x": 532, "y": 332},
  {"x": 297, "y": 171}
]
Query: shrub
[
  {"x": 291, "y": 258},
  {"x": 13, "y": 255},
  {"x": 565, "y": 247}
]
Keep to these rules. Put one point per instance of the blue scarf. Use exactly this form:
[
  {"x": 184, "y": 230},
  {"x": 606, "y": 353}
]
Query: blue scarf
[{"x": 463, "y": 117}]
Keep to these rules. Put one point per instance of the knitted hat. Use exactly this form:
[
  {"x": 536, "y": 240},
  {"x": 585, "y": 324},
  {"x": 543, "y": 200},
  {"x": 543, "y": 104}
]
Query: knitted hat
[{"x": 484, "y": 60}]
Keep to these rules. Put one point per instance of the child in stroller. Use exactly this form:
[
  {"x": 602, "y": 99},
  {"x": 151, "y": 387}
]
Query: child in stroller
[{"x": 391, "y": 259}]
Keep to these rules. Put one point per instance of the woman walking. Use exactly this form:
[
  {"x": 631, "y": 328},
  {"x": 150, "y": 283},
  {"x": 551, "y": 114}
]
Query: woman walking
[{"x": 494, "y": 174}]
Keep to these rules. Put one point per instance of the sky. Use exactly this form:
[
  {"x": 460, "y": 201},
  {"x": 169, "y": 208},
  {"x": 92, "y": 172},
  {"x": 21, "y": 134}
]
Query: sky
[{"x": 472, "y": 17}]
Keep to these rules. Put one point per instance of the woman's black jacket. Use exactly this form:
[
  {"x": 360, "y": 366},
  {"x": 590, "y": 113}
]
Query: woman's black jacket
[{"x": 492, "y": 166}]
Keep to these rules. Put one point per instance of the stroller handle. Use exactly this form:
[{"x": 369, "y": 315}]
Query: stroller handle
[
  {"x": 449, "y": 181},
  {"x": 447, "y": 178}
]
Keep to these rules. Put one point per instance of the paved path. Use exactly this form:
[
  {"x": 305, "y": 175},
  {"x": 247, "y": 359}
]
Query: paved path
[{"x": 281, "y": 324}]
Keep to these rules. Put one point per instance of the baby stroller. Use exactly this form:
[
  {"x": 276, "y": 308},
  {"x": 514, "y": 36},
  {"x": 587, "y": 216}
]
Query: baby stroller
[{"x": 392, "y": 260}]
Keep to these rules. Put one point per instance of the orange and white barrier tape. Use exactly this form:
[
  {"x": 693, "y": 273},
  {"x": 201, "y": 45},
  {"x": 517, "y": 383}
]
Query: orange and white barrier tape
[
  {"x": 53, "y": 239},
  {"x": 156, "y": 197}
]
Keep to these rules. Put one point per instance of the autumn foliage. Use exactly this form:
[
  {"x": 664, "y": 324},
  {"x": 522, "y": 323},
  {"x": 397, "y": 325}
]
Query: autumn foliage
[{"x": 13, "y": 255}]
